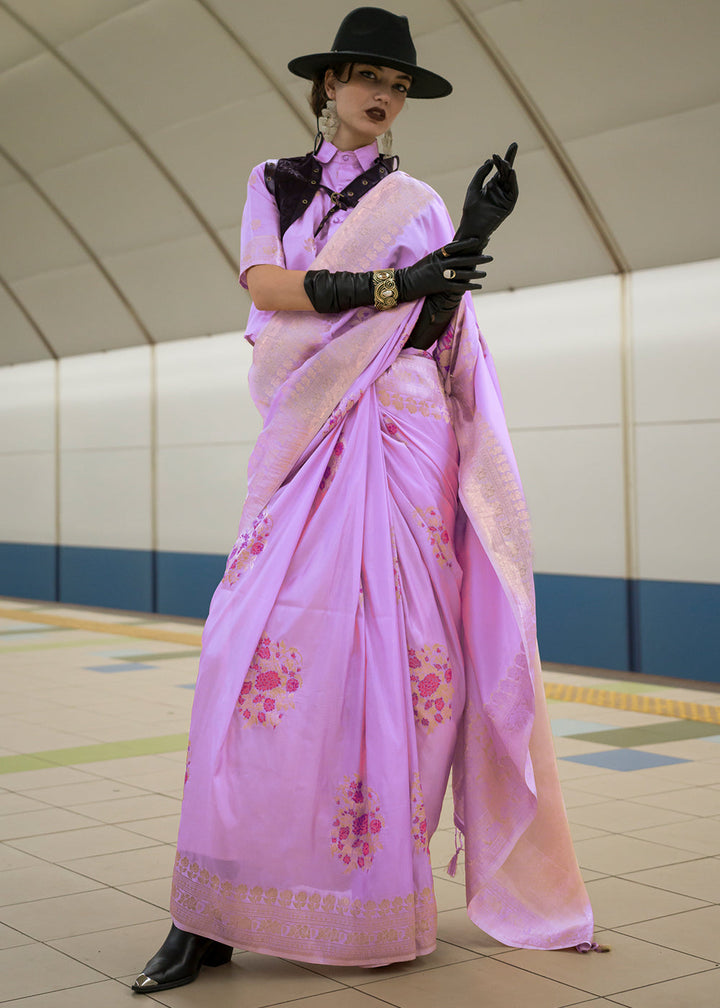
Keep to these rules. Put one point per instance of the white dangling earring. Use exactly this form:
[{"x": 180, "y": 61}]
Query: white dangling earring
[
  {"x": 385, "y": 143},
  {"x": 328, "y": 121}
]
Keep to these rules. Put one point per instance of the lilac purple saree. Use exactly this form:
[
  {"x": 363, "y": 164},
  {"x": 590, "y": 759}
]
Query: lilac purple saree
[{"x": 374, "y": 629}]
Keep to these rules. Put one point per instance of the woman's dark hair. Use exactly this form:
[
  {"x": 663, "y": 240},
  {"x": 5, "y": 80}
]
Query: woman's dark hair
[{"x": 318, "y": 96}]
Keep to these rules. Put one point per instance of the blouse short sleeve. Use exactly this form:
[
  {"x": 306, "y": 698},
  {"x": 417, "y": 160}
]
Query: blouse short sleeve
[{"x": 260, "y": 242}]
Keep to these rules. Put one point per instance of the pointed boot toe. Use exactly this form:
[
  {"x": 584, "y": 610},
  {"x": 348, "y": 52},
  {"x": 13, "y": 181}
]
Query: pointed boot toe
[{"x": 179, "y": 960}]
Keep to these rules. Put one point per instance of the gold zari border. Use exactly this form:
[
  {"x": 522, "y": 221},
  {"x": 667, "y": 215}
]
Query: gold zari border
[{"x": 305, "y": 925}]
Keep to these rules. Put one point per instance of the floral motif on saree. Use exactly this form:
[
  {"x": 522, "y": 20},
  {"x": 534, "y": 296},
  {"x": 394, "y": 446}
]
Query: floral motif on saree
[
  {"x": 272, "y": 681},
  {"x": 431, "y": 520},
  {"x": 247, "y": 549},
  {"x": 419, "y": 819},
  {"x": 431, "y": 684},
  {"x": 357, "y": 824}
]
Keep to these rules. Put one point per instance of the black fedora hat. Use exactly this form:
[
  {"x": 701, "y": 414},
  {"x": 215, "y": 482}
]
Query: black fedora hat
[{"x": 373, "y": 35}]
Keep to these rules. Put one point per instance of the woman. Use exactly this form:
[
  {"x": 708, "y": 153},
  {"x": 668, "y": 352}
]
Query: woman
[{"x": 375, "y": 624}]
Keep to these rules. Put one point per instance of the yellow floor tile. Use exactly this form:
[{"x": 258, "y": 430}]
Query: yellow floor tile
[
  {"x": 618, "y": 901},
  {"x": 354, "y": 976},
  {"x": 694, "y": 932},
  {"x": 93, "y": 789},
  {"x": 120, "y": 810},
  {"x": 11, "y": 803},
  {"x": 625, "y": 785},
  {"x": 164, "y": 828},
  {"x": 36, "y": 969},
  {"x": 456, "y": 928},
  {"x": 696, "y": 801},
  {"x": 249, "y": 980},
  {"x": 624, "y": 816},
  {"x": 41, "y": 822},
  {"x": 615, "y": 854},
  {"x": 12, "y": 860},
  {"x": 80, "y": 914},
  {"x": 702, "y": 836},
  {"x": 126, "y": 867},
  {"x": 73, "y": 844},
  {"x": 119, "y": 950},
  {"x": 699, "y": 878},
  {"x": 41, "y": 882},
  {"x": 629, "y": 964},
  {"x": 697, "y": 991},
  {"x": 103, "y": 994},
  {"x": 154, "y": 891},
  {"x": 10, "y": 938},
  {"x": 486, "y": 982}
]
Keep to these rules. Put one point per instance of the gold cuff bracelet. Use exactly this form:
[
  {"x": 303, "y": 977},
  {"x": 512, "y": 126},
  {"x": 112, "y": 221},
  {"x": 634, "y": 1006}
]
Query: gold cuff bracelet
[{"x": 386, "y": 292}]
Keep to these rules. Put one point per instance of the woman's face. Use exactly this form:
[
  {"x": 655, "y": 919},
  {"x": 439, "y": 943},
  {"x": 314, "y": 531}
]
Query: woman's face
[{"x": 368, "y": 104}]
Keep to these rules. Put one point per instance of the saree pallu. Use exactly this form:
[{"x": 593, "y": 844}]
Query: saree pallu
[{"x": 373, "y": 631}]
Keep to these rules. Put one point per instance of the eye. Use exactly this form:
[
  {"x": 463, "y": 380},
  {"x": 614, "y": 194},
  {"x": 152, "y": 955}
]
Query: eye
[
  {"x": 402, "y": 88},
  {"x": 370, "y": 74}
]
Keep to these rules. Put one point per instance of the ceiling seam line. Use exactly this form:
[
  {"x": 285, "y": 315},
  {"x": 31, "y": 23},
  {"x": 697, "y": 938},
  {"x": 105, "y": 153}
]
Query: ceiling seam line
[
  {"x": 134, "y": 135},
  {"x": 258, "y": 64},
  {"x": 89, "y": 251},
  {"x": 551, "y": 140},
  {"x": 29, "y": 318}
]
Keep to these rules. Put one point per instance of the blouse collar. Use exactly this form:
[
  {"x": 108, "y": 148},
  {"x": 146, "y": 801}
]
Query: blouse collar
[{"x": 365, "y": 155}]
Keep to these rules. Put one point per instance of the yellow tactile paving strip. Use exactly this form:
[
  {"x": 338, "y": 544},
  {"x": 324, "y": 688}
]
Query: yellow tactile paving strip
[
  {"x": 638, "y": 702},
  {"x": 148, "y": 632}
]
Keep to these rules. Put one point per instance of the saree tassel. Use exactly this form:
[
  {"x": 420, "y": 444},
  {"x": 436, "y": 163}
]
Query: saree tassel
[
  {"x": 591, "y": 947},
  {"x": 452, "y": 867}
]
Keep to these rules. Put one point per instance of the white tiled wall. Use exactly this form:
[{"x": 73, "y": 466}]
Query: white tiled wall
[
  {"x": 558, "y": 352},
  {"x": 27, "y": 452}
]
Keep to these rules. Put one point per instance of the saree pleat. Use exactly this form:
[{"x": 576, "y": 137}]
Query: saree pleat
[{"x": 374, "y": 629}]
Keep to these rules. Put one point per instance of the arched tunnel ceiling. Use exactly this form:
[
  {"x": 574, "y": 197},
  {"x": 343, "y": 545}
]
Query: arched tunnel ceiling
[{"x": 129, "y": 127}]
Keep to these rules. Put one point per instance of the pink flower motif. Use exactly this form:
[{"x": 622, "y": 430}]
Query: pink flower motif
[
  {"x": 356, "y": 841},
  {"x": 430, "y": 684},
  {"x": 272, "y": 680}
]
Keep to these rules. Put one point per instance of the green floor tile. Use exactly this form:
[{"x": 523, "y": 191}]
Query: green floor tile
[
  {"x": 161, "y": 656},
  {"x": 94, "y": 753},
  {"x": 652, "y": 734}
]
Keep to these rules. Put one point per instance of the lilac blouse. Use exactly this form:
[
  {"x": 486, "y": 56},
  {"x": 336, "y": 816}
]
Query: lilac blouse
[{"x": 260, "y": 241}]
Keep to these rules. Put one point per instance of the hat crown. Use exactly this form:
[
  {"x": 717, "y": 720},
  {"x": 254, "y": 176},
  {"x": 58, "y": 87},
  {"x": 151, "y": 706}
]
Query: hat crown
[{"x": 373, "y": 30}]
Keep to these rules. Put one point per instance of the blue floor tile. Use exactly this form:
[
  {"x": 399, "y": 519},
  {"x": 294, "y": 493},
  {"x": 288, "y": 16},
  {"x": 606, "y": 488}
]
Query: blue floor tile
[
  {"x": 118, "y": 667},
  {"x": 567, "y": 726},
  {"x": 186, "y": 685},
  {"x": 624, "y": 759}
]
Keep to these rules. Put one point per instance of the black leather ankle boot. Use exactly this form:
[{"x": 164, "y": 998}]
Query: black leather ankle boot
[{"x": 178, "y": 961}]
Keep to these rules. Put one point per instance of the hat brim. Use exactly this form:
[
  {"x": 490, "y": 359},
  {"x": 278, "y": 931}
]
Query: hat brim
[{"x": 425, "y": 83}]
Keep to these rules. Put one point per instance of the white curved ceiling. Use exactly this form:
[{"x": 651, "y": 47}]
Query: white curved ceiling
[{"x": 129, "y": 127}]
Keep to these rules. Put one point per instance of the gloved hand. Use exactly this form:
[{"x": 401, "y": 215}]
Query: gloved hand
[
  {"x": 487, "y": 204},
  {"x": 449, "y": 270}
]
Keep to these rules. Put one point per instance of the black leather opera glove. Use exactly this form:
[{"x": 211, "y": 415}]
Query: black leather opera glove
[
  {"x": 434, "y": 318},
  {"x": 449, "y": 270},
  {"x": 487, "y": 204}
]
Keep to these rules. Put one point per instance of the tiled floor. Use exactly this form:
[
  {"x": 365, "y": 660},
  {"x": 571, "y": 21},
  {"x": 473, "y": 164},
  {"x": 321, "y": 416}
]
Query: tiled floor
[{"x": 94, "y": 708}]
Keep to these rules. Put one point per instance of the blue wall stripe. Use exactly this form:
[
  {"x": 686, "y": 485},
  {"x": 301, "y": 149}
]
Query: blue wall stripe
[
  {"x": 679, "y": 625},
  {"x": 662, "y": 628},
  {"x": 115, "y": 578},
  {"x": 28, "y": 570},
  {"x": 186, "y": 582},
  {"x": 583, "y": 620}
]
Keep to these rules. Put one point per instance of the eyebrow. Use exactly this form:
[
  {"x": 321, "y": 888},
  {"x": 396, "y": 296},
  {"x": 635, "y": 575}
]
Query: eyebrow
[{"x": 376, "y": 66}]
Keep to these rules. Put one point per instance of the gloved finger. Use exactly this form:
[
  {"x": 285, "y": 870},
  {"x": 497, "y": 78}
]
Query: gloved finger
[
  {"x": 502, "y": 167},
  {"x": 468, "y": 259},
  {"x": 464, "y": 246},
  {"x": 465, "y": 275},
  {"x": 478, "y": 179},
  {"x": 510, "y": 153}
]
